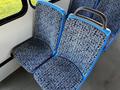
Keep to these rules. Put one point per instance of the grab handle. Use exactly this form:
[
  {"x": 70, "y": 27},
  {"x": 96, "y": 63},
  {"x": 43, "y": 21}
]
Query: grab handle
[{"x": 98, "y": 13}]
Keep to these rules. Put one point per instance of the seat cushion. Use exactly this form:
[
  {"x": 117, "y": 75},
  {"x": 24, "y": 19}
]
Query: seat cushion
[
  {"x": 32, "y": 53},
  {"x": 58, "y": 74}
]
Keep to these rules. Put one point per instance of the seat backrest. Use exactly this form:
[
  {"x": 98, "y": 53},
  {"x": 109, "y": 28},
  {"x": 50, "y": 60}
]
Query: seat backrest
[
  {"x": 111, "y": 8},
  {"x": 80, "y": 3},
  {"x": 82, "y": 42},
  {"x": 49, "y": 22}
]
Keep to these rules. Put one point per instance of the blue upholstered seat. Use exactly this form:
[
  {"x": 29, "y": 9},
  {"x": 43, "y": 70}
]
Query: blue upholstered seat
[
  {"x": 111, "y": 8},
  {"x": 58, "y": 74},
  {"x": 49, "y": 21},
  {"x": 80, "y": 3},
  {"x": 81, "y": 44},
  {"x": 32, "y": 53}
]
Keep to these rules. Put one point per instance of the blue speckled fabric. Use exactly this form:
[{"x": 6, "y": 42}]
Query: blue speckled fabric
[
  {"x": 111, "y": 8},
  {"x": 80, "y": 47},
  {"x": 32, "y": 53},
  {"x": 81, "y": 43},
  {"x": 58, "y": 74},
  {"x": 80, "y": 3},
  {"x": 48, "y": 25}
]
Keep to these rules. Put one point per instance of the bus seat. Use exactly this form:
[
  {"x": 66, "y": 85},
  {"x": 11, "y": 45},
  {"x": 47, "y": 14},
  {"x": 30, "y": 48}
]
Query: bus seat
[
  {"x": 80, "y": 3},
  {"x": 49, "y": 21},
  {"x": 111, "y": 8},
  {"x": 58, "y": 73},
  {"x": 81, "y": 45}
]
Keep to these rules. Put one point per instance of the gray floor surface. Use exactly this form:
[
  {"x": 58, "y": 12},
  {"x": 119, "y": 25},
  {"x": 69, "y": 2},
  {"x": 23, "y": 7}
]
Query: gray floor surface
[{"x": 105, "y": 76}]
